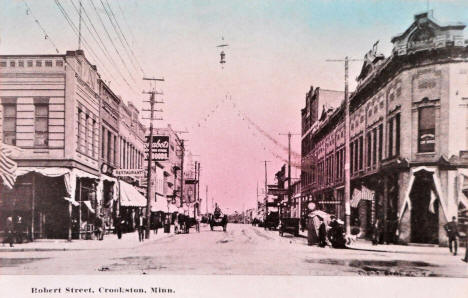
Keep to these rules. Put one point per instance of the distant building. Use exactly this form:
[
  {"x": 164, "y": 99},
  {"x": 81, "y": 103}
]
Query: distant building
[
  {"x": 409, "y": 137},
  {"x": 171, "y": 192}
]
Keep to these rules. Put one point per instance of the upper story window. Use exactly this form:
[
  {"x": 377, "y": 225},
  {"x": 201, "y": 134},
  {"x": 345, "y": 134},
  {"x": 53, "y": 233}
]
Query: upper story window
[
  {"x": 41, "y": 125},
  {"x": 426, "y": 129},
  {"x": 12, "y": 63},
  {"x": 9, "y": 124},
  {"x": 87, "y": 137},
  {"x": 30, "y": 63},
  {"x": 3, "y": 63},
  {"x": 393, "y": 136},
  {"x": 48, "y": 63},
  {"x": 21, "y": 63},
  {"x": 39, "y": 63},
  {"x": 59, "y": 63}
]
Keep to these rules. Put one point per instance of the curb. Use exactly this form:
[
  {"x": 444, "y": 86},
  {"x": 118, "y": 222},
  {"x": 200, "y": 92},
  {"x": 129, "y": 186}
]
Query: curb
[{"x": 39, "y": 249}]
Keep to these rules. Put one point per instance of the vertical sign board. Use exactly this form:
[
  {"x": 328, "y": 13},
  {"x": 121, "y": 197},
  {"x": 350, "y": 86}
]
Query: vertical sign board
[{"x": 160, "y": 148}]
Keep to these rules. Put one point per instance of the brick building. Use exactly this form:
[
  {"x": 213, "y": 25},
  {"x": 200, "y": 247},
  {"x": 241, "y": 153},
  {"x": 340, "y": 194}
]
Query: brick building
[{"x": 409, "y": 136}]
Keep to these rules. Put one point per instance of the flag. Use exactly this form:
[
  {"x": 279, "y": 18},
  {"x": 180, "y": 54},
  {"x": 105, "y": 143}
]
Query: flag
[
  {"x": 7, "y": 166},
  {"x": 431, "y": 203}
]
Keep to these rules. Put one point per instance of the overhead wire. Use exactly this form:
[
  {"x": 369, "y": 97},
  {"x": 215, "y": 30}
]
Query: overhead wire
[
  {"x": 262, "y": 131},
  {"x": 130, "y": 52},
  {"x": 47, "y": 36},
  {"x": 75, "y": 30},
  {"x": 98, "y": 39},
  {"x": 125, "y": 21},
  {"x": 112, "y": 42}
]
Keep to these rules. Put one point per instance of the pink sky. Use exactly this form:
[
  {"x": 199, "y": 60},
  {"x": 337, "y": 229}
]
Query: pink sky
[{"x": 277, "y": 51}]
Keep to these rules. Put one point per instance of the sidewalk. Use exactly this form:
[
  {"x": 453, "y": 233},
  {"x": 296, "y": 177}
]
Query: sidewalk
[
  {"x": 129, "y": 240},
  {"x": 363, "y": 244}
]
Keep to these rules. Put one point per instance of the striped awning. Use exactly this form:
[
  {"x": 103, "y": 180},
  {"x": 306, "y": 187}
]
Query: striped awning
[
  {"x": 129, "y": 196},
  {"x": 364, "y": 194}
]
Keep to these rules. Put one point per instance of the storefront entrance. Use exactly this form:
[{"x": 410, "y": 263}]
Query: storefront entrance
[
  {"x": 424, "y": 222},
  {"x": 37, "y": 205}
]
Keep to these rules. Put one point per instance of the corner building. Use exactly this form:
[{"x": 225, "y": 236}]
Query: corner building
[
  {"x": 49, "y": 107},
  {"x": 409, "y": 137}
]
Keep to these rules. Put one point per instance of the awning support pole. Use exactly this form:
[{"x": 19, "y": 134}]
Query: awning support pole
[
  {"x": 70, "y": 221},
  {"x": 33, "y": 203},
  {"x": 79, "y": 207}
]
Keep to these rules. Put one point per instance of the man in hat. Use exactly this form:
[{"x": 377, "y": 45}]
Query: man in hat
[
  {"x": 452, "y": 232},
  {"x": 322, "y": 233},
  {"x": 10, "y": 230}
]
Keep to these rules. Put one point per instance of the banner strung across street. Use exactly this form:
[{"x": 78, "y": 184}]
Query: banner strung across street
[{"x": 160, "y": 148}]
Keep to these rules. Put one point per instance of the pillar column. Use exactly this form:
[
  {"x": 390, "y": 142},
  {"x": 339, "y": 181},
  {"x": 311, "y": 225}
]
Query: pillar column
[{"x": 385, "y": 207}]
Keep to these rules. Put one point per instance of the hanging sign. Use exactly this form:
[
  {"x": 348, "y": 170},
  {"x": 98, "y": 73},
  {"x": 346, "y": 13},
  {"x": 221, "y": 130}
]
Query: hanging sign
[
  {"x": 160, "y": 146},
  {"x": 129, "y": 172}
]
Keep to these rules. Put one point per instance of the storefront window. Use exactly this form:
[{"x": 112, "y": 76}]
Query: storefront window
[
  {"x": 426, "y": 129},
  {"x": 41, "y": 125},
  {"x": 9, "y": 124}
]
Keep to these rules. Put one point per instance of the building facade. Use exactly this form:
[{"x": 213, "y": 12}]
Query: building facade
[
  {"x": 72, "y": 131},
  {"x": 171, "y": 168},
  {"x": 408, "y": 127},
  {"x": 50, "y": 109}
]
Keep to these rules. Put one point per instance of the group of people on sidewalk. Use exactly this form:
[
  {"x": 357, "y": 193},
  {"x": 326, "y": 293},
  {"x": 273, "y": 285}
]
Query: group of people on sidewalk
[
  {"x": 333, "y": 234},
  {"x": 15, "y": 230},
  {"x": 140, "y": 224}
]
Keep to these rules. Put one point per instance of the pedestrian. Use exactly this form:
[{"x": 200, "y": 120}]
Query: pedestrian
[
  {"x": 98, "y": 227},
  {"x": 103, "y": 227},
  {"x": 119, "y": 223},
  {"x": 141, "y": 227},
  {"x": 452, "y": 232},
  {"x": 335, "y": 234},
  {"x": 322, "y": 234},
  {"x": 376, "y": 233},
  {"x": 10, "y": 230},
  {"x": 18, "y": 224}
]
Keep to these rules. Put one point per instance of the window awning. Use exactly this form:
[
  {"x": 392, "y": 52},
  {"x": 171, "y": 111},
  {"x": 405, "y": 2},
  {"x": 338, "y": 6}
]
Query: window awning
[
  {"x": 130, "y": 197},
  {"x": 88, "y": 205},
  {"x": 69, "y": 177},
  {"x": 160, "y": 204}
]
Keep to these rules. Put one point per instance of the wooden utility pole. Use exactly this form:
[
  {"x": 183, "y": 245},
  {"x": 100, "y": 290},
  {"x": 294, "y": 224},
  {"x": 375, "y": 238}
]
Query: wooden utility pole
[
  {"x": 206, "y": 198},
  {"x": 347, "y": 189},
  {"x": 197, "y": 187},
  {"x": 257, "y": 197},
  {"x": 289, "y": 134},
  {"x": 149, "y": 191},
  {"x": 266, "y": 188},
  {"x": 182, "y": 147}
]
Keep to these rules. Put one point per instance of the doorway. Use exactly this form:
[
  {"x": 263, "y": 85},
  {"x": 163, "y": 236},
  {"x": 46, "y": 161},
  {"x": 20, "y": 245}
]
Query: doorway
[{"x": 424, "y": 222}]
